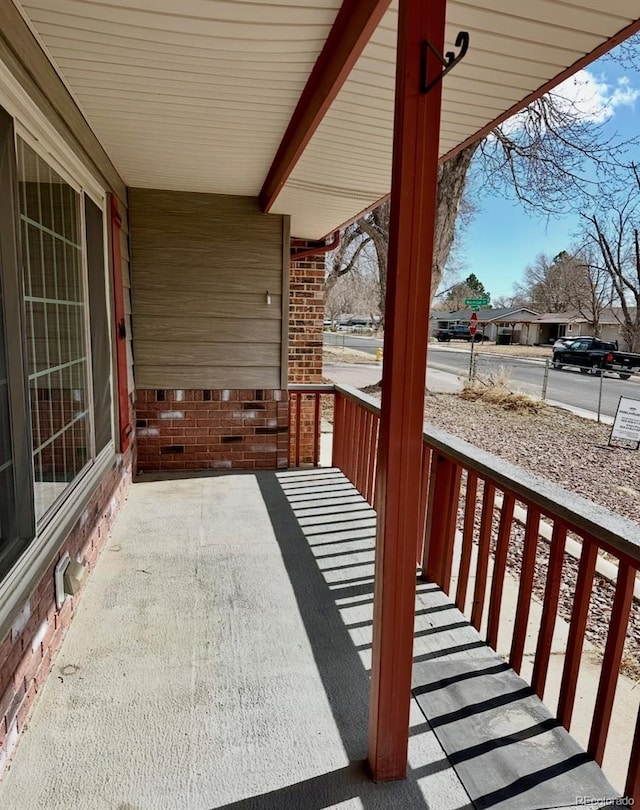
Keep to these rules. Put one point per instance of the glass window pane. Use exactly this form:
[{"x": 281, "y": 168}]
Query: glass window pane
[
  {"x": 17, "y": 527},
  {"x": 6, "y": 454},
  {"x": 56, "y": 312}
]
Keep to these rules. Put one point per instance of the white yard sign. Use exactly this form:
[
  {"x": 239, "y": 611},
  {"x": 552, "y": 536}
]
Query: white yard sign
[{"x": 626, "y": 426}]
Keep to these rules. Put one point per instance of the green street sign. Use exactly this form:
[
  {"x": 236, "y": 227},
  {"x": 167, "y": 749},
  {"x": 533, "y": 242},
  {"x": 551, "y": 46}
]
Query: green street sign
[
  {"x": 476, "y": 302},
  {"x": 475, "y": 309}
]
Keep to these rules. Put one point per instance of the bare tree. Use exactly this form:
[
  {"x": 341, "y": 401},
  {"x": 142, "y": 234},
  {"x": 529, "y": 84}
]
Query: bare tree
[
  {"x": 589, "y": 288},
  {"x": 355, "y": 293},
  {"x": 613, "y": 229},
  {"x": 545, "y": 283},
  {"x": 550, "y": 157},
  {"x": 368, "y": 237}
]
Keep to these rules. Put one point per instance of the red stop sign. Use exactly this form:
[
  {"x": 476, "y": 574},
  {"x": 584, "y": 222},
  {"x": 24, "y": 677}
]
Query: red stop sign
[{"x": 473, "y": 323}]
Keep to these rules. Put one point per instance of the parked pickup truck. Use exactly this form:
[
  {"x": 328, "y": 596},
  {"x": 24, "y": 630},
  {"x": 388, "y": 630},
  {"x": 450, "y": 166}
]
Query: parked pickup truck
[
  {"x": 458, "y": 332},
  {"x": 594, "y": 356}
]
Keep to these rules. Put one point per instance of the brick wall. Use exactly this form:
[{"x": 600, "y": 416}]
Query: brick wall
[
  {"x": 211, "y": 430},
  {"x": 26, "y": 653},
  {"x": 306, "y": 316}
]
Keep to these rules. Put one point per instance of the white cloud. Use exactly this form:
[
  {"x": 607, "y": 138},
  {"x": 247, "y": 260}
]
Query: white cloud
[
  {"x": 587, "y": 96},
  {"x": 593, "y": 98}
]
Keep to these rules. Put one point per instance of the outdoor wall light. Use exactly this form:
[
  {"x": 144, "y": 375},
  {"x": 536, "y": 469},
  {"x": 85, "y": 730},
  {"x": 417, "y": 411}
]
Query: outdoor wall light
[{"x": 268, "y": 298}]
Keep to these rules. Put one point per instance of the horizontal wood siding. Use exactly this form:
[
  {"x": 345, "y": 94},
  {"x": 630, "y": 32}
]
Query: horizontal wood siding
[{"x": 201, "y": 267}]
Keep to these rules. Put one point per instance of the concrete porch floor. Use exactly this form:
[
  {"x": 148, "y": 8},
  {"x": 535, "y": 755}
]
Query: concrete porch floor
[{"x": 219, "y": 657}]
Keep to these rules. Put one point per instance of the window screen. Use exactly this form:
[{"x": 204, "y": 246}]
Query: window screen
[{"x": 56, "y": 324}]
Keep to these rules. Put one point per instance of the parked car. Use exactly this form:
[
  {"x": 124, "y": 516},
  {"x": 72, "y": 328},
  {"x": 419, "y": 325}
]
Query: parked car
[
  {"x": 561, "y": 342},
  {"x": 459, "y": 332},
  {"x": 593, "y": 356}
]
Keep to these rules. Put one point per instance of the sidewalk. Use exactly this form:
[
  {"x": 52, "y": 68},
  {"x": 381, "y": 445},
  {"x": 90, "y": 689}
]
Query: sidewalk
[
  {"x": 361, "y": 376},
  {"x": 438, "y": 382}
]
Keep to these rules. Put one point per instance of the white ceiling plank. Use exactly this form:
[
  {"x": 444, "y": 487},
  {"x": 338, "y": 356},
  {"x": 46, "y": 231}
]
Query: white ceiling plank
[{"x": 196, "y": 96}]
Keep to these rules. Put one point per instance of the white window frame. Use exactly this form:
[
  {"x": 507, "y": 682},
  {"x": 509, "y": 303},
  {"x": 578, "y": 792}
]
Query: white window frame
[{"x": 33, "y": 127}]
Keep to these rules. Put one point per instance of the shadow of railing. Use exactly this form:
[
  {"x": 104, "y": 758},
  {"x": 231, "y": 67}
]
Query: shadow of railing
[{"x": 345, "y": 676}]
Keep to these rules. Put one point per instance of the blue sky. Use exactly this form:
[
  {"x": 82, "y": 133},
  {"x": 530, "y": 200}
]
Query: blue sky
[{"x": 502, "y": 238}]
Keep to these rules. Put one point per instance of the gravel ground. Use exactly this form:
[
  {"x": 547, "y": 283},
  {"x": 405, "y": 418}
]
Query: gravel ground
[{"x": 568, "y": 450}]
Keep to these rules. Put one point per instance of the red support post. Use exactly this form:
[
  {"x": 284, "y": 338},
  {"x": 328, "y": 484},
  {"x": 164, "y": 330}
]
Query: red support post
[{"x": 413, "y": 209}]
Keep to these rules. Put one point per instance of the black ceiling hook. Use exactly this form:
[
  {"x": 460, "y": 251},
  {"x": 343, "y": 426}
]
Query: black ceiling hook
[{"x": 448, "y": 61}]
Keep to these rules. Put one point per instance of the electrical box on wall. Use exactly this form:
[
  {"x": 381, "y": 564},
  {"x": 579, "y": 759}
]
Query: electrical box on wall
[{"x": 69, "y": 575}]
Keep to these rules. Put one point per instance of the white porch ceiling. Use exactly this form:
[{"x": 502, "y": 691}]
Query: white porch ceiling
[{"x": 196, "y": 96}]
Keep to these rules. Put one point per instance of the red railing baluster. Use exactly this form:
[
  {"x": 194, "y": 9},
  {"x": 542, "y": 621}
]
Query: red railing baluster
[
  {"x": 351, "y": 443},
  {"x": 526, "y": 587},
  {"x": 345, "y": 437},
  {"x": 499, "y": 568},
  {"x": 292, "y": 397},
  {"x": 338, "y": 431},
  {"x": 369, "y": 456},
  {"x": 298, "y": 423},
  {"x": 424, "y": 500},
  {"x": 355, "y": 449},
  {"x": 484, "y": 548},
  {"x": 577, "y": 629},
  {"x": 611, "y": 661},
  {"x": 348, "y": 439},
  {"x": 375, "y": 475},
  {"x": 467, "y": 539},
  {"x": 316, "y": 429},
  {"x": 549, "y": 609},
  {"x": 362, "y": 449},
  {"x": 632, "y": 787},
  {"x": 371, "y": 483},
  {"x": 444, "y": 489}
]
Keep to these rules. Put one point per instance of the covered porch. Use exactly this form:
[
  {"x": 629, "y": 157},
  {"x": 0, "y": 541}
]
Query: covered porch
[
  {"x": 259, "y": 638},
  {"x": 222, "y": 654},
  {"x": 228, "y": 667}
]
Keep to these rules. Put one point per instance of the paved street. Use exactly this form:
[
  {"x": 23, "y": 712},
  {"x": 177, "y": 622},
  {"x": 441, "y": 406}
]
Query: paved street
[{"x": 568, "y": 387}]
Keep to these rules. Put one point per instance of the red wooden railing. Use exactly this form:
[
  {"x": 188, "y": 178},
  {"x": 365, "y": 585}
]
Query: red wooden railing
[
  {"x": 480, "y": 499},
  {"x": 305, "y": 423}
]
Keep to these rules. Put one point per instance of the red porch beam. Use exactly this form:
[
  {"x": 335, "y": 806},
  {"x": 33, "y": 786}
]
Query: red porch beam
[
  {"x": 413, "y": 205},
  {"x": 354, "y": 24}
]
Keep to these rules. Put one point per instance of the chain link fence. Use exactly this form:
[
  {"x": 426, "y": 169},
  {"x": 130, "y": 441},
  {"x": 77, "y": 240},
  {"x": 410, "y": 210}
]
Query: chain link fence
[{"x": 584, "y": 388}]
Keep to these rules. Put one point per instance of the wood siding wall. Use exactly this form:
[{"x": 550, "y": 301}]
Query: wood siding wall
[{"x": 201, "y": 268}]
